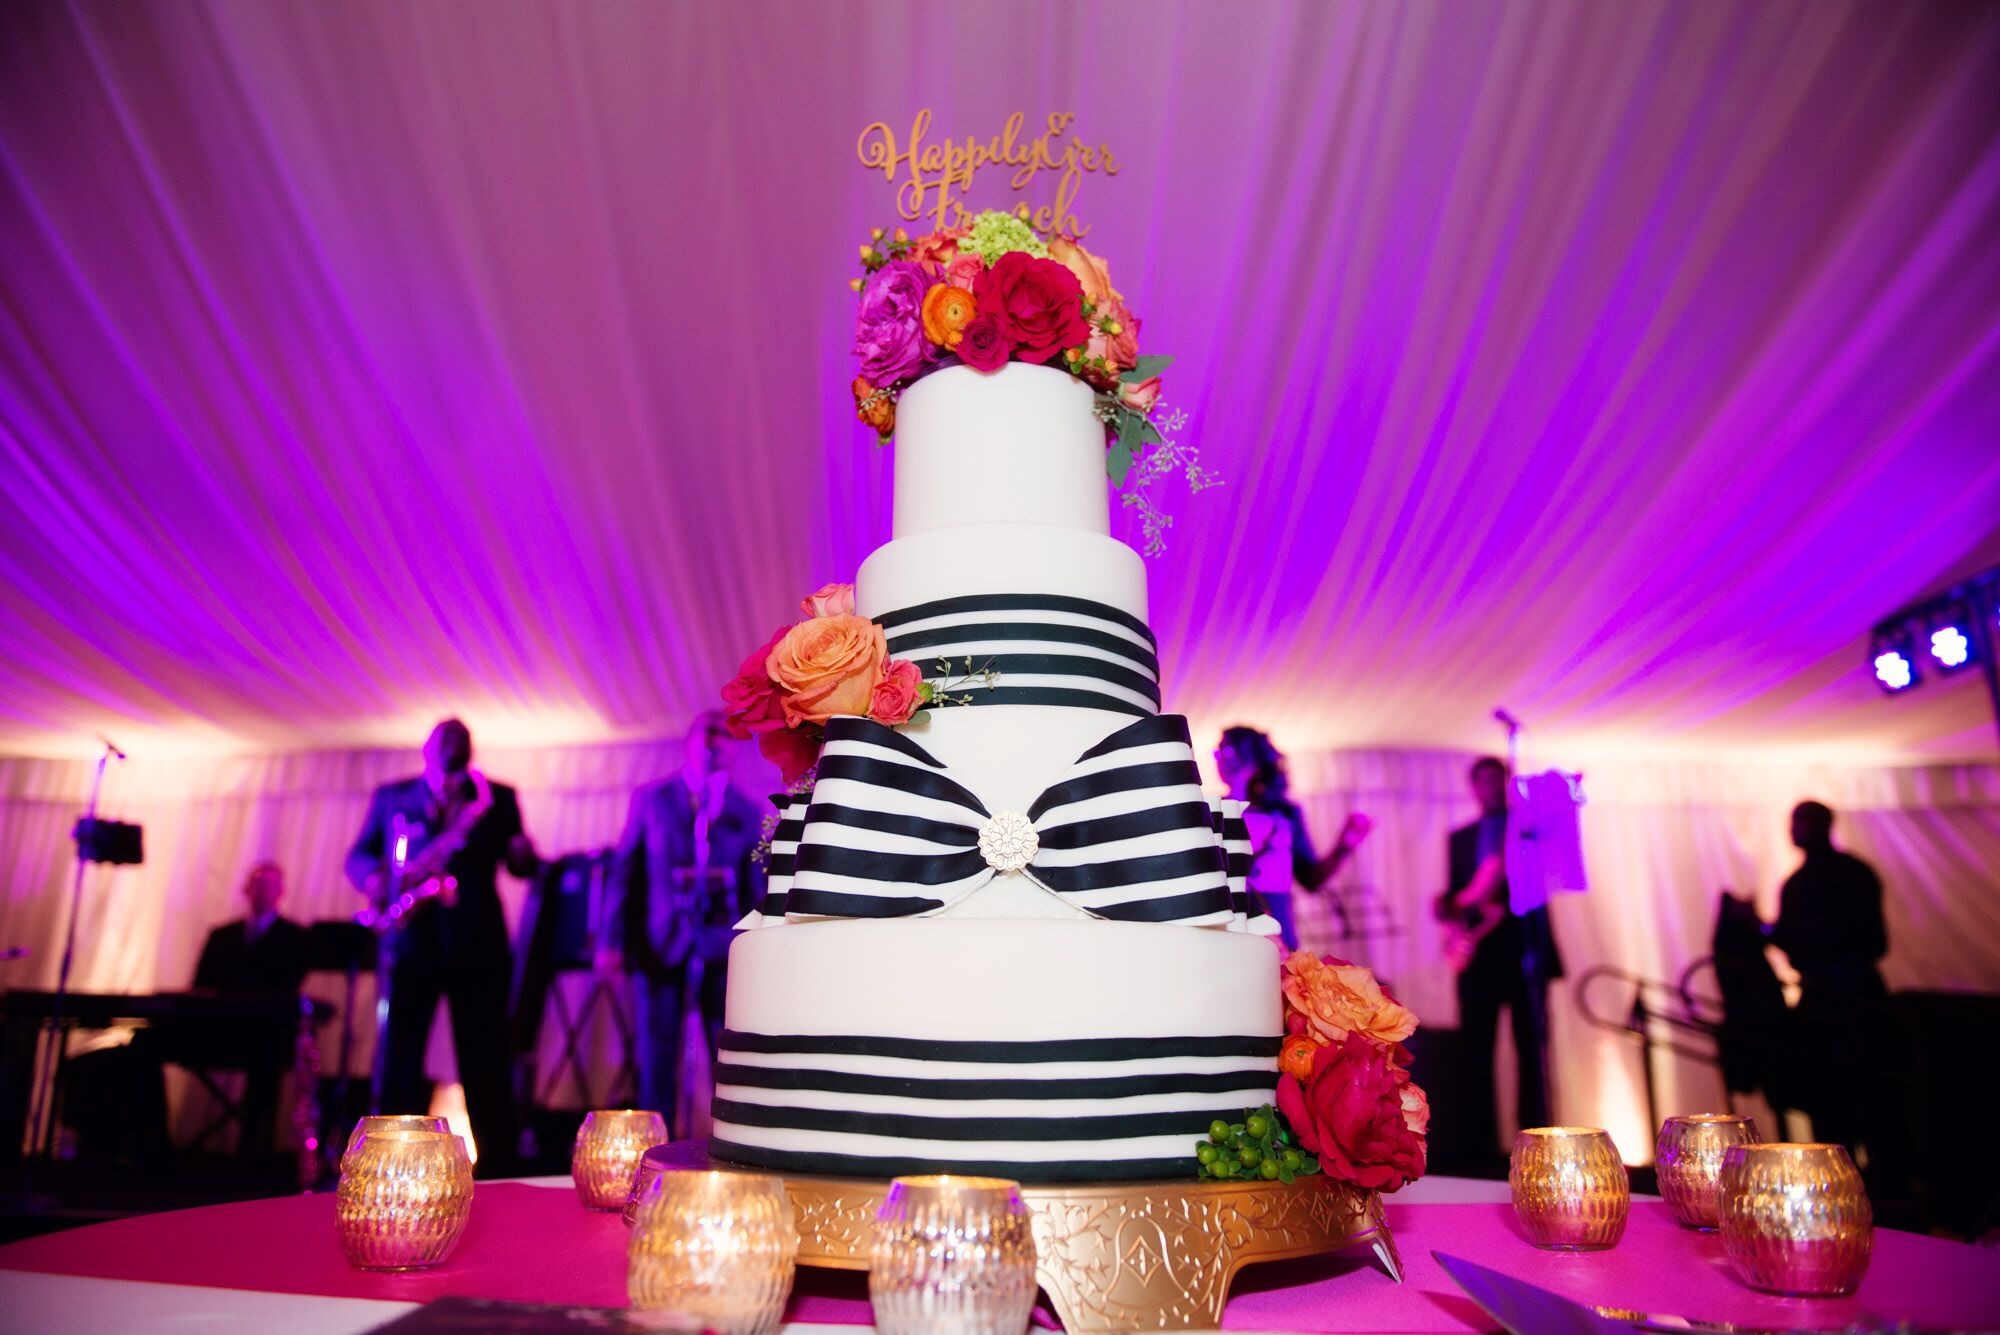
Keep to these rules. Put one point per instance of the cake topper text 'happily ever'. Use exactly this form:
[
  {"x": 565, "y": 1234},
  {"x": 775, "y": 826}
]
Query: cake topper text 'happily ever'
[{"x": 937, "y": 175}]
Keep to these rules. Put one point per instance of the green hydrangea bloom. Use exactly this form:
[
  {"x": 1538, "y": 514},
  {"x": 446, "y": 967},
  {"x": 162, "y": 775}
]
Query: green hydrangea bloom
[{"x": 995, "y": 233}]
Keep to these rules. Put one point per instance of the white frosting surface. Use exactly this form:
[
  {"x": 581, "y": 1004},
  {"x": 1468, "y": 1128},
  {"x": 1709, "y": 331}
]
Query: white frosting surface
[
  {"x": 1017, "y": 980},
  {"x": 1017, "y": 445}
]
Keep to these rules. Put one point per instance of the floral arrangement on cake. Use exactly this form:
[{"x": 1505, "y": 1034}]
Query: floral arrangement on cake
[
  {"x": 998, "y": 291},
  {"x": 833, "y": 662},
  {"x": 1346, "y": 1104}
]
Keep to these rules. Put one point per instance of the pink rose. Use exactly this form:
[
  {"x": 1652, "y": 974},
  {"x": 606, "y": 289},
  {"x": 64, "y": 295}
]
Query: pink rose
[
  {"x": 755, "y": 704},
  {"x": 1351, "y": 1113},
  {"x": 937, "y": 250},
  {"x": 1141, "y": 397},
  {"x": 889, "y": 326},
  {"x": 1038, "y": 303},
  {"x": 827, "y": 666},
  {"x": 831, "y": 600},
  {"x": 792, "y": 750},
  {"x": 1121, "y": 349},
  {"x": 964, "y": 271},
  {"x": 899, "y": 694},
  {"x": 982, "y": 346}
]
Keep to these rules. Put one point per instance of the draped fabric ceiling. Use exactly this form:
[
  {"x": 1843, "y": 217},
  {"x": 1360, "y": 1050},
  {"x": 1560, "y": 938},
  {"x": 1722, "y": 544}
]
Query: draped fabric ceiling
[{"x": 1619, "y": 363}]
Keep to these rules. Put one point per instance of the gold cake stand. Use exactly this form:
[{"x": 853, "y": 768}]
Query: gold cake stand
[{"x": 1118, "y": 1255}]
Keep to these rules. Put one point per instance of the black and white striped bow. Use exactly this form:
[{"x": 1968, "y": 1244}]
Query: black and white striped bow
[{"x": 1125, "y": 833}]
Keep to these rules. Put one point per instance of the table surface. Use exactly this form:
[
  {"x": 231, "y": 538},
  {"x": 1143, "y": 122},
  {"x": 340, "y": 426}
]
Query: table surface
[{"x": 270, "y": 1265}]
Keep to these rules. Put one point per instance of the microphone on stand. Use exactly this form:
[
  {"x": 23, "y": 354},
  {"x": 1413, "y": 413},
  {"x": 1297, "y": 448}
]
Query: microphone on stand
[
  {"x": 1507, "y": 720},
  {"x": 112, "y": 747}
]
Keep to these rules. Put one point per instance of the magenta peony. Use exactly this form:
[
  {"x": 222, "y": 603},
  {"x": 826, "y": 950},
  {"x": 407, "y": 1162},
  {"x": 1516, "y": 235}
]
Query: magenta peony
[{"x": 889, "y": 326}]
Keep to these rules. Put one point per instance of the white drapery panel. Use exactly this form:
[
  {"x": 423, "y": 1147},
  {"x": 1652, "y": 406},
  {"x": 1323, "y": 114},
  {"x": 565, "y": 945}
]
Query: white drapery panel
[
  {"x": 367, "y": 361},
  {"x": 1660, "y": 841}
]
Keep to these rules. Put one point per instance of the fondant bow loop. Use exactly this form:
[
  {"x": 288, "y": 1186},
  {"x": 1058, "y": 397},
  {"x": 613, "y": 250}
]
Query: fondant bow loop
[{"x": 1125, "y": 834}]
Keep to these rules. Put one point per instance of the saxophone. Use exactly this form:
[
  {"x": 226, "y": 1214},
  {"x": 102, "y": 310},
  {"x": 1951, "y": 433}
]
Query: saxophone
[{"x": 414, "y": 879}]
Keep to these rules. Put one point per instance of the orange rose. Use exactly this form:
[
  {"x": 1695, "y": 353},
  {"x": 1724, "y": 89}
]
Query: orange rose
[
  {"x": 1090, "y": 271},
  {"x": 827, "y": 666},
  {"x": 1337, "y": 999},
  {"x": 947, "y": 311},
  {"x": 1416, "y": 1107},
  {"x": 829, "y": 600},
  {"x": 937, "y": 250},
  {"x": 1295, "y": 1059}
]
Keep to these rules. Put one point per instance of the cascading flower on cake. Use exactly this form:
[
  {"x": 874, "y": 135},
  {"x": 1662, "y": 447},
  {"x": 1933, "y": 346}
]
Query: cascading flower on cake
[
  {"x": 1346, "y": 1105},
  {"x": 999, "y": 291},
  {"x": 834, "y": 662}
]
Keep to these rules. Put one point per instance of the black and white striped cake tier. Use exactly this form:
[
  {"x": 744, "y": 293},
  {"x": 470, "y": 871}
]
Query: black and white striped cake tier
[{"x": 1040, "y": 649}]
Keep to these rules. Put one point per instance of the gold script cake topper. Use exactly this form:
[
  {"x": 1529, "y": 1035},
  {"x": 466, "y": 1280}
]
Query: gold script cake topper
[{"x": 937, "y": 174}]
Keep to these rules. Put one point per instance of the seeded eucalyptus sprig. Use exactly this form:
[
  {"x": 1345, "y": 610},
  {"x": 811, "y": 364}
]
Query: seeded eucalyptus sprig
[{"x": 1258, "y": 1148}]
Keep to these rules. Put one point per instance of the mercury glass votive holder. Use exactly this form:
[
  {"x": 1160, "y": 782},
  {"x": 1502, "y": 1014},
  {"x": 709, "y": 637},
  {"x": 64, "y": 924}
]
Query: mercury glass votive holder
[
  {"x": 379, "y": 1122},
  {"x": 718, "y": 1248},
  {"x": 952, "y": 1254},
  {"x": 403, "y": 1199},
  {"x": 608, "y": 1146},
  {"x": 651, "y": 1164},
  {"x": 1571, "y": 1190},
  {"x": 1688, "y": 1159},
  {"x": 1795, "y": 1219}
]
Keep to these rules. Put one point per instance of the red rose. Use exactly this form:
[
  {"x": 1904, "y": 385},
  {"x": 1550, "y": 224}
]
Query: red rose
[
  {"x": 792, "y": 750},
  {"x": 1039, "y": 305},
  {"x": 1351, "y": 1113},
  {"x": 982, "y": 346},
  {"x": 753, "y": 700}
]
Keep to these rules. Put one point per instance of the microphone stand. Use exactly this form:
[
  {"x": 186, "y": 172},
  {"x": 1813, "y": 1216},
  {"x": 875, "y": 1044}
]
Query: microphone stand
[{"x": 49, "y": 1041}]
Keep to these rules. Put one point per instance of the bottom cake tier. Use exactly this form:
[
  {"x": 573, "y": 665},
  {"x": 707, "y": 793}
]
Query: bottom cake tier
[{"x": 1037, "y": 1049}]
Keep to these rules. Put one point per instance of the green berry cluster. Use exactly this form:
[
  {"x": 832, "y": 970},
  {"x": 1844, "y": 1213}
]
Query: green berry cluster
[{"x": 1260, "y": 1147}]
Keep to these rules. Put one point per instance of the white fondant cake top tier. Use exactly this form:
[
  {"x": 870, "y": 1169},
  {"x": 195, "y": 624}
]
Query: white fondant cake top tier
[{"x": 1017, "y": 445}]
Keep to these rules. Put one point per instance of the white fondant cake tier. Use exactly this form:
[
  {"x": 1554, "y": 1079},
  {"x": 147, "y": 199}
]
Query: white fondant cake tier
[
  {"x": 1017, "y": 445},
  {"x": 1038, "y": 1050}
]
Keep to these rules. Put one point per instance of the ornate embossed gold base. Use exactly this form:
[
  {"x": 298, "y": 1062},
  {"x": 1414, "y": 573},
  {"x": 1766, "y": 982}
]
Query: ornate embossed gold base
[{"x": 1119, "y": 1255}]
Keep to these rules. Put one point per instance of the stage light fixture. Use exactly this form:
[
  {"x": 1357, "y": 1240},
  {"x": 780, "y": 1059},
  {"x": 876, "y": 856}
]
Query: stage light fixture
[
  {"x": 1959, "y": 627},
  {"x": 1894, "y": 670},
  {"x": 1950, "y": 647}
]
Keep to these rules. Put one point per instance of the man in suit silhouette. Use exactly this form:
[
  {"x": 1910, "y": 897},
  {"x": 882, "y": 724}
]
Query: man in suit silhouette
[
  {"x": 1511, "y": 967},
  {"x": 448, "y": 946},
  {"x": 262, "y": 951},
  {"x": 685, "y": 873}
]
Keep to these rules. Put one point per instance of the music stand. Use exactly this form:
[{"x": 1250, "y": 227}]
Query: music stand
[{"x": 339, "y": 945}]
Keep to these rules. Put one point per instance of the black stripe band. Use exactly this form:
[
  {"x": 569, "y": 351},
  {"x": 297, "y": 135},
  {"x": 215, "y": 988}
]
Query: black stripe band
[
  {"x": 1014, "y": 602},
  {"x": 1044, "y": 695},
  {"x": 1255, "y": 1084},
  {"x": 1047, "y": 665},
  {"x": 985, "y": 1050},
  {"x": 869, "y": 1166},
  {"x": 1192, "y": 1123}
]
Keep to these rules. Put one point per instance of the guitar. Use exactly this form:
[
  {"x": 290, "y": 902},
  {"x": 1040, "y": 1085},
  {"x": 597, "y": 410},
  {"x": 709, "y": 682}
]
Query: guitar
[
  {"x": 413, "y": 880},
  {"x": 1471, "y": 914}
]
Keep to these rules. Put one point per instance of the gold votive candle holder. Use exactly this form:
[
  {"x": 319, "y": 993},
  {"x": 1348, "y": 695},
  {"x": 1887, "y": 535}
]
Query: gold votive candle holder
[
  {"x": 1795, "y": 1219},
  {"x": 954, "y": 1254},
  {"x": 1571, "y": 1190},
  {"x": 608, "y": 1146},
  {"x": 717, "y": 1248},
  {"x": 1688, "y": 1159},
  {"x": 651, "y": 1164},
  {"x": 403, "y": 1199},
  {"x": 375, "y": 1123}
]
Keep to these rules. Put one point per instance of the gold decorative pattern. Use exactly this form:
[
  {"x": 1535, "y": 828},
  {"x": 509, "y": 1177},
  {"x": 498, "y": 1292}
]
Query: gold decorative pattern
[
  {"x": 1796, "y": 1219},
  {"x": 1116, "y": 1256},
  {"x": 1571, "y": 1190}
]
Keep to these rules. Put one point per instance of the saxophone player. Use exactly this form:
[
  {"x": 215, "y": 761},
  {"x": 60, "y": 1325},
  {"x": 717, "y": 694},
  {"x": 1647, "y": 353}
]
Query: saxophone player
[{"x": 428, "y": 857}]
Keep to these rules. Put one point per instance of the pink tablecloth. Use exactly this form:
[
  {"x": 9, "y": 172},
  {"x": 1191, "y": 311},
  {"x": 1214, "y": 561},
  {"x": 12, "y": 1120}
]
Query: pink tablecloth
[{"x": 536, "y": 1244}]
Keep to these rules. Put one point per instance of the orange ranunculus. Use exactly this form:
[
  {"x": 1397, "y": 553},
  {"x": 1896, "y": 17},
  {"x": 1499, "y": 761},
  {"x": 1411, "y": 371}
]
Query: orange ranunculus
[
  {"x": 875, "y": 407},
  {"x": 1295, "y": 1058},
  {"x": 1337, "y": 999},
  {"x": 1090, "y": 271},
  {"x": 947, "y": 311},
  {"x": 827, "y": 666}
]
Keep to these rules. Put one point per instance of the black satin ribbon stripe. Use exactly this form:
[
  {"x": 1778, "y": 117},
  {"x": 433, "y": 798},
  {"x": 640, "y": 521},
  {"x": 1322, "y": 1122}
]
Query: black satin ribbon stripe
[
  {"x": 1004, "y": 1050},
  {"x": 1192, "y": 1123},
  {"x": 1018, "y": 1170},
  {"x": 1254, "y": 1083},
  {"x": 972, "y": 604},
  {"x": 978, "y": 634}
]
